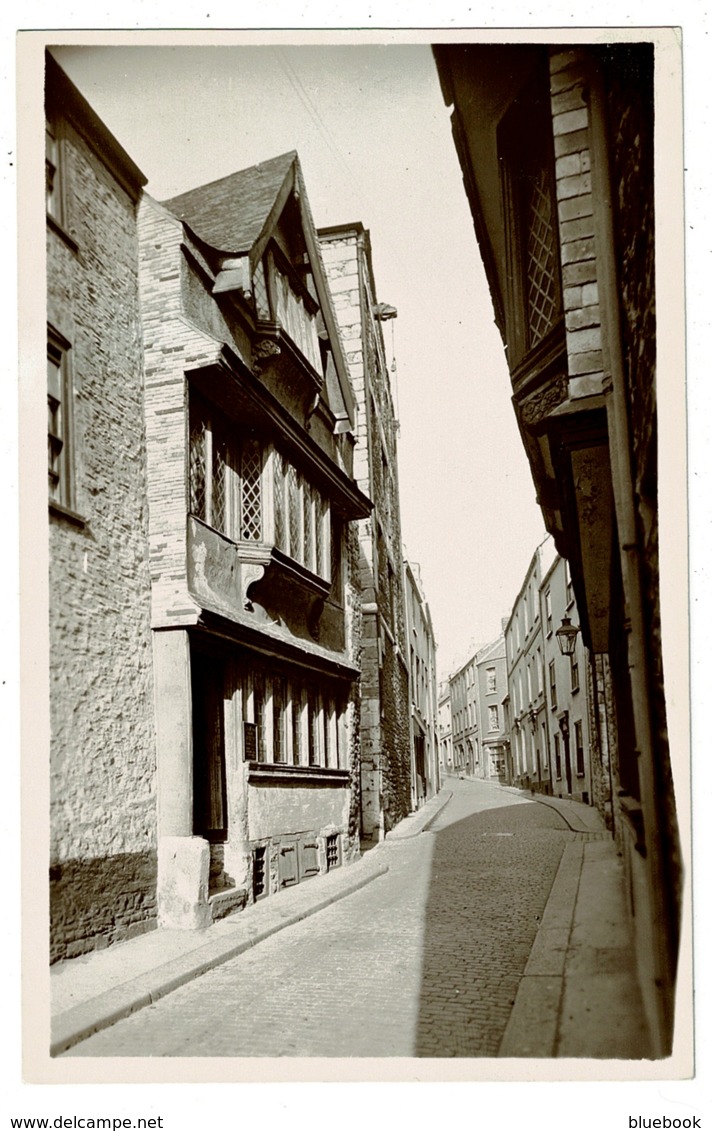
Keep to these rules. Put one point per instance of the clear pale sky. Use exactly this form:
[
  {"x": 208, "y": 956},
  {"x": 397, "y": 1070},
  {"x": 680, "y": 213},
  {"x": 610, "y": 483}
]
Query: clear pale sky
[{"x": 373, "y": 136}]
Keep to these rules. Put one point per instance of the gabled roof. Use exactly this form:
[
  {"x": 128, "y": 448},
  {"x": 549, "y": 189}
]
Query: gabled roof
[
  {"x": 230, "y": 214},
  {"x": 237, "y": 215},
  {"x": 493, "y": 651}
]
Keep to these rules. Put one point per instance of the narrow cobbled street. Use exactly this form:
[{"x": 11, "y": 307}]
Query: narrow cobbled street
[{"x": 424, "y": 961}]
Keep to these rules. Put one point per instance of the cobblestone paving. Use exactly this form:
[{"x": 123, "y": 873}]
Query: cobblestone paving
[
  {"x": 424, "y": 961},
  {"x": 491, "y": 876}
]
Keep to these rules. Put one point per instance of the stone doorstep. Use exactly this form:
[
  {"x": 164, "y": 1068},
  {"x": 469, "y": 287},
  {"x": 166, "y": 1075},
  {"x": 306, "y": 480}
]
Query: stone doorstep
[
  {"x": 227, "y": 900},
  {"x": 103, "y": 1010}
]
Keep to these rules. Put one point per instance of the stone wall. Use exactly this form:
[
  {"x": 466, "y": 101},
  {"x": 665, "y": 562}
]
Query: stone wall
[
  {"x": 354, "y": 648},
  {"x": 102, "y": 776},
  {"x": 171, "y": 346},
  {"x": 570, "y": 116},
  {"x": 630, "y": 98},
  {"x": 385, "y": 742}
]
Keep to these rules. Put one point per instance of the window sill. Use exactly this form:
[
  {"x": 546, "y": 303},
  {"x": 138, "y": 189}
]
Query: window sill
[
  {"x": 267, "y": 553},
  {"x": 64, "y": 235},
  {"x": 299, "y": 573},
  {"x": 304, "y": 775},
  {"x": 68, "y": 515}
]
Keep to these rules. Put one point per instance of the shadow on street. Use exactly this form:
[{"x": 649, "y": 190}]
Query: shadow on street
[{"x": 490, "y": 879}]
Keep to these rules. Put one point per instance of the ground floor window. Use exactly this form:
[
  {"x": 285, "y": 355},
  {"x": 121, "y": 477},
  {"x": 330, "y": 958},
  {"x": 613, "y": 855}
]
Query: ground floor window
[
  {"x": 578, "y": 743},
  {"x": 291, "y": 718},
  {"x": 275, "y": 714}
]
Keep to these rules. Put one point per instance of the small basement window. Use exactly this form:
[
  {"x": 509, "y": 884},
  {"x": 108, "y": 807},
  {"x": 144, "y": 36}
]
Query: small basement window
[
  {"x": 332, "y": 852},
  {"x": 259, "y": 872}
]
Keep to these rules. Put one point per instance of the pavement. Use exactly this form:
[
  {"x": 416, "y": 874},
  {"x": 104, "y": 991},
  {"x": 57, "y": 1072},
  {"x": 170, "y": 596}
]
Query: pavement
[{"x": 578, "y": 995}]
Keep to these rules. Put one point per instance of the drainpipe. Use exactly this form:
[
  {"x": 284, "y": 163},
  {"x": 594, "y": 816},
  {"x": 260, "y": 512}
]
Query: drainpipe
[{"x": 630, "y": 556}]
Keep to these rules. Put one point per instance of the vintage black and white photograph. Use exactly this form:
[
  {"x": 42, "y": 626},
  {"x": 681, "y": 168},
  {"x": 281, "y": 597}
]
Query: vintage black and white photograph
[{"x": 366, "y": 549}]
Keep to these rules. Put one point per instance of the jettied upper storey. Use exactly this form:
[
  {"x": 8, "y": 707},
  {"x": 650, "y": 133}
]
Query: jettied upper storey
[{"x": 263, "y": 211}]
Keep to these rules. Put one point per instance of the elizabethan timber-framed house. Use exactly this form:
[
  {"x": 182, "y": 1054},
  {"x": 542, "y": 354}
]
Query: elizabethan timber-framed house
[{"x": 254, "y": 556}]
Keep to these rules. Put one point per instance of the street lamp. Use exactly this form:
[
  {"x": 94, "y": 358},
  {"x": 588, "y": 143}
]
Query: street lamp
[{"x": 566, "y": 635}]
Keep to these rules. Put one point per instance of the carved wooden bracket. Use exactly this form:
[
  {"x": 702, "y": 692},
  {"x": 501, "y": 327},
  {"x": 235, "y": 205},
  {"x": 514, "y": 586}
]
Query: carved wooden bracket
[
  {"x": 250, "y": 572},
  {"x": 267, "y": 345}
]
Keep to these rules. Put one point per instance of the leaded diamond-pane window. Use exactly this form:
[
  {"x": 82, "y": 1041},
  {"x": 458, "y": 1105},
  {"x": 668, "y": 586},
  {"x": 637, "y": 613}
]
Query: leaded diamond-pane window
[
  {"x": 525, "y": 144},
  {"x": 251, "y": 516},
  {"x": 218, "y": 517},
  {"x": 320, "y": 535},
  {"x": 225, "y": 488},
  {"x": 208, "y": 470},
  {"x": 541, "y": 265},
  {"x": 227, "y": 478},
  {"x": 335, "y": 562},
  {"x": 278, "y": 488},
  {"x": 301, "y": 525},
  {"x": 198, "y": 476},
  {"x": 308, "y": 526},
  {"x": 259, "y": 284},
  {"x": 294, "y": 497}
]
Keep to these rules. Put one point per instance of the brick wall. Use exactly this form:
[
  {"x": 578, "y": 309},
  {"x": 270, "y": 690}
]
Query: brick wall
[{"x": 102, "y": 742}]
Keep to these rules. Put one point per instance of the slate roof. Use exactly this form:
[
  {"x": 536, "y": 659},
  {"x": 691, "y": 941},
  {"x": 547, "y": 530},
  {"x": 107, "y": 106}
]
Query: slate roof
[
  {"x": 493, "y": 651},
  {"x": 229, "y": 214}
]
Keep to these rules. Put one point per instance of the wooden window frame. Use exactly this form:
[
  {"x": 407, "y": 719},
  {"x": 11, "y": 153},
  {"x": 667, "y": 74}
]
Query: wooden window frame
[
  {"x": 579, "y": 749},
  {"x": 217, "y": 439},
  {"x": 575, "y": 674},
  {"x": 525, "y": 141},
  {"x": 552, "y": 685},
  {"x": 55, "y": 191},
  {"x": 59, "y": 358}
]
